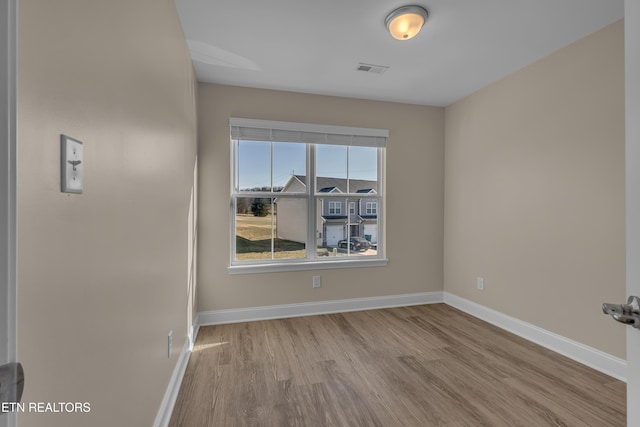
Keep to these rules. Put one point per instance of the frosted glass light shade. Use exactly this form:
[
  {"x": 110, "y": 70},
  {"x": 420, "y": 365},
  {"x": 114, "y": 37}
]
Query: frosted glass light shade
[{"x": 406, "y": 22}]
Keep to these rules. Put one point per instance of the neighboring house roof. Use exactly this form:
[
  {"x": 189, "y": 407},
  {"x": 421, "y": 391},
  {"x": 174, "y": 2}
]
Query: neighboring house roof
[
  {"x": 328, "y": 185},
  {"x": 329, "y": 190},
  {"x": 339, "y": 218}
]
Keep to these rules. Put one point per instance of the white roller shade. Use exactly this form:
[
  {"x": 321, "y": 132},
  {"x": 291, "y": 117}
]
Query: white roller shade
[{"x": 268, "y": 130}]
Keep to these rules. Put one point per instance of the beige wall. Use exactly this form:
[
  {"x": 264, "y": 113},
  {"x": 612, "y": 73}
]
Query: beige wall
[
  {"x": 534, "y": 192},
  {"x": 103, "y": 275},
  {"x": 414, "y": 198},
  {"x": 533, "y": 177}
]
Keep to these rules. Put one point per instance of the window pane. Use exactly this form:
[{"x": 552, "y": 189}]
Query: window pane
[
  {"x": 290, "y": 228},
  {"x": 253, "y": 166},
  {"x": 369, "y": 231},
  {"x": 368, "y": 224},
  {"x": 363, "y": 163},
  {"x": 331, "y": 162},
  {"x": 253, "y": 228},
  {"x": 341, "y": 232},
  {"x": 332, "y": 171},
  {"x": 263, "y": 233},
  {"x": 330, "y": 227},
  {"x": 289, "y": 160},
  {"x": 363, "y": 170}
]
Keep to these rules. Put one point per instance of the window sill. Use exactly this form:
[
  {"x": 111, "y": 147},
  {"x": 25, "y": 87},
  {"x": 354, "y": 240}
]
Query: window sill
[{"x": 305, "y": 265}]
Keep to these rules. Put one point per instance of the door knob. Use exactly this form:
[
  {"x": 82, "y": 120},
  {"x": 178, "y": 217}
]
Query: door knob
[
  {"x": 11, "y": 382},
  {"x": 628, "y": 313}
]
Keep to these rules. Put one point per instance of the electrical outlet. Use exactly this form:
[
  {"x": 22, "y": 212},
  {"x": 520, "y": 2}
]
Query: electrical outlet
[
  {"x": 480, "y": 283},
  {"x": 169, "y": 343},
  {"x": 317, "y": 283}
]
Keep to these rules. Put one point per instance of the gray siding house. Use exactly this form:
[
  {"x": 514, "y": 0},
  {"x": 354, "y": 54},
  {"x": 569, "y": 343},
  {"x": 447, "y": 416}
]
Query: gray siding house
[{"x": 339, "y": 217}]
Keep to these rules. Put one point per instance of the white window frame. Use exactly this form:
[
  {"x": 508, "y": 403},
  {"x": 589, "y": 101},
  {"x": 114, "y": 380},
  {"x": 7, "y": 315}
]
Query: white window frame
[
  {"x": 335, "y": 208},
  {"x": 312, "y": 135},
  {"x": 373, "y": 210}
]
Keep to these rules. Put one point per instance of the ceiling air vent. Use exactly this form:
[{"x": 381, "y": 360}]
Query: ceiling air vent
[{"x": 370, "y": 68}]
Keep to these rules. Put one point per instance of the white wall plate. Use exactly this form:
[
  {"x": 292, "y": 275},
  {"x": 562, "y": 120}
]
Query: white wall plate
[{"x": 71, "y": 165}]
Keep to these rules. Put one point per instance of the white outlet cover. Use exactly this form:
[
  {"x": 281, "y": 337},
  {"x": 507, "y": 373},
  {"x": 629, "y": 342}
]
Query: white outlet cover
[{"x": 71, "y": 165}]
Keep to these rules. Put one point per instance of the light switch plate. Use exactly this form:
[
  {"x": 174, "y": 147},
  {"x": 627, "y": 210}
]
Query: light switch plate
[{"x": 71, "y": 165}]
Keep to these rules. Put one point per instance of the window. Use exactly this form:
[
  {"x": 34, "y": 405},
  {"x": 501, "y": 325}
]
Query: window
[
  {"x": 290, "y": 185},
  {"x": 334, "y": 208}
]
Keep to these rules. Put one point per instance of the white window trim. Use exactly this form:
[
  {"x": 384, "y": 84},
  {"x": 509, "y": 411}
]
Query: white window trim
[
  {"x": 352, "y": 208},
  {"x": 306, "y": 265},
  {"x": 310, "y": 262},
  {"x": 336, "y": 206}
]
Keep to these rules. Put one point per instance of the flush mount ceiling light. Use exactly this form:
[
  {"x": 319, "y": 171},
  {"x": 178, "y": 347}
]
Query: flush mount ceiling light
[{"x": 406, "y": 22}]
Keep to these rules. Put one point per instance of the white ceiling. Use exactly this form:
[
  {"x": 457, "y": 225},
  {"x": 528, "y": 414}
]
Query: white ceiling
[{"x": 314, "y": 46}]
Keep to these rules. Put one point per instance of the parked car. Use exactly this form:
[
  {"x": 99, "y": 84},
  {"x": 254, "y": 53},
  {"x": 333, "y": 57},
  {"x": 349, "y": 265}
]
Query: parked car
[{"x": 355, "y": 243}]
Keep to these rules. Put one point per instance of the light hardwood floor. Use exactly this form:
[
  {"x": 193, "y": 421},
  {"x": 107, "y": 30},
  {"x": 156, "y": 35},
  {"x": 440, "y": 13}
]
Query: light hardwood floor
[{"x": 428, "y": 365}]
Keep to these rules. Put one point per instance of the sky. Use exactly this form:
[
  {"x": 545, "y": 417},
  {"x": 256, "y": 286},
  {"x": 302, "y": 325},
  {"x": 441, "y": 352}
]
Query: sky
[{"x": 289, "y": 158}]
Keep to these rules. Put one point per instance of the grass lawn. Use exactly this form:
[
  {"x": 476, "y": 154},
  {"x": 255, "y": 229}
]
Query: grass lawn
[{"x": 253, "y": 240}]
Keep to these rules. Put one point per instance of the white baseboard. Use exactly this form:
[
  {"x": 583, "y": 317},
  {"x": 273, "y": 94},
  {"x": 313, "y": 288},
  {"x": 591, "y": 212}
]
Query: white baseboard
[
  {"x": 166, "y": 407},
  {"x": 582, "y": 353},
  {"x": 218, "y": 317}
]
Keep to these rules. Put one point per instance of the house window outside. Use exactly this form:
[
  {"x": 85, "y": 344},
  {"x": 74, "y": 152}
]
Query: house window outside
[
  {"x": 290, "y": 182},
  {"x": 335, "y": 208},
  {"x": 371, "y": 208}
]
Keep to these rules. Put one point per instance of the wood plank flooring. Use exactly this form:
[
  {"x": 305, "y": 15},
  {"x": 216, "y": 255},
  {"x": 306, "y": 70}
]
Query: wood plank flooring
[{"x": 428, "y": 365}]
